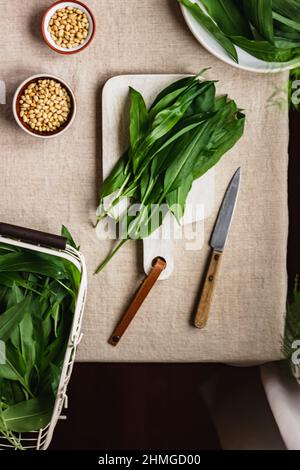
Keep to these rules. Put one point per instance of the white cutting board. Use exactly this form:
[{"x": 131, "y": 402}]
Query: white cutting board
[{"x": 115, "y": 138}]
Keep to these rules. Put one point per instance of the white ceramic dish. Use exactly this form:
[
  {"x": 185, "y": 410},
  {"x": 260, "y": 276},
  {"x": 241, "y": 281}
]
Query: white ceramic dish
[
  {"x": 16, "y": 107},
  {"x": 47, "y": 36},
  {"x": 246, "y": 61}
]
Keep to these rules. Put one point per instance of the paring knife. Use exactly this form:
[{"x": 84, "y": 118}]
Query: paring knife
[{"x": 217, "y": 243}]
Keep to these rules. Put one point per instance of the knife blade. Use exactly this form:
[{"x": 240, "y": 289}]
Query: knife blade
[
  {"x": 223, "y": 222},
  {"x": 217, "y": 242}
]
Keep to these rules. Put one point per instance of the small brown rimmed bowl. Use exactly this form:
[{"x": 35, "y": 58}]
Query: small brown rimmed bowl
[
  {"x": 16, "y": 106},
  {"x": 47, "y": 36}
]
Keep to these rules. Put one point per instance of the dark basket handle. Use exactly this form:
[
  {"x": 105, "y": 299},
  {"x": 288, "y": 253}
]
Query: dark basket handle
[{"x": 33, "y": 236}]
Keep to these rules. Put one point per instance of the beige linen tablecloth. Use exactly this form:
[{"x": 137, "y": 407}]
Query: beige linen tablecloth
[{"x": 47, "y": 183}]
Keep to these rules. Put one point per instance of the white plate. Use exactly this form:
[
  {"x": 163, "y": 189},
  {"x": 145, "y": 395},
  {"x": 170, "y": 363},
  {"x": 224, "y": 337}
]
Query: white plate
[{"x": 246, "y": 61}]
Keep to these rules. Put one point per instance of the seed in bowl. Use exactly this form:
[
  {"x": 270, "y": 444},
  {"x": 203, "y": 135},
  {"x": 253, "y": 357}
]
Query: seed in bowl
[
  {"x": 69, "y": 27},
  {"x": 45, "y": 105}
]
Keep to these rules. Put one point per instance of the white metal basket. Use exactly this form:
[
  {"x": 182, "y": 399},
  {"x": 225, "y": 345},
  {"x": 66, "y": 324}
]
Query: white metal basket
[{"x": 40, "y": 440}]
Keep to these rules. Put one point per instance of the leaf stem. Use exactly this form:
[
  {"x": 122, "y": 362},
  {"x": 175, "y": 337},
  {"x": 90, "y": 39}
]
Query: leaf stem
[
  {"x": 109, "y": 257},
  {"x": 116, "y": 200},
  {"x": 9, "y": 435},
  {"x": 20, "y": 378}
]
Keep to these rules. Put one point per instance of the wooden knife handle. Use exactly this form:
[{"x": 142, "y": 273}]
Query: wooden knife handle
[
  {"x": 208, "y": 289},
  {"x": 159, "y": 264}
]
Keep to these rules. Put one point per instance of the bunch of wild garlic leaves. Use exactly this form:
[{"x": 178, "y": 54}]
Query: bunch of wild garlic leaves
[{"x": 183, "y": 134}]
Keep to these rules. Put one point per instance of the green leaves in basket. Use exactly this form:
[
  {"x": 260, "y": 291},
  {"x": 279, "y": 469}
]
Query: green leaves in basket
[
  {"x": 10, "y": 319},
  {"x": 180, "y": 137},
  {"x": 29, "y": 415},
  {"x": 36, "y": 263},
  {"x": 65, "y": 233},
  {"x": 37, "y": 300},
  {"x": 266, "y": 29}
]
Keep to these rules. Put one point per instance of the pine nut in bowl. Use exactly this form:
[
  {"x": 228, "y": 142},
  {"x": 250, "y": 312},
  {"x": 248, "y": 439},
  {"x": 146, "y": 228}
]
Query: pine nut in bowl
[
  {"x": 68, "y": 27},
  {"x": 44, "y": 106}
]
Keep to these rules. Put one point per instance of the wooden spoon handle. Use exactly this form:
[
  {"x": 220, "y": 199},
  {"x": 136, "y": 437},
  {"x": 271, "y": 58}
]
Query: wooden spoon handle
[
  {"x": 208, "y": 289},
  {"x": 159, "y": 265}
]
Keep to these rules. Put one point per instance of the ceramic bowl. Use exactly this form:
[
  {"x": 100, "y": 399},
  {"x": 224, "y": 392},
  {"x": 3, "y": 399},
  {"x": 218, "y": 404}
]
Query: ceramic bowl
[
  {"x": 47, "y": 36},
  {"x": 16, "y": 106},
  {"x": 246, "y": 61}
]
